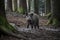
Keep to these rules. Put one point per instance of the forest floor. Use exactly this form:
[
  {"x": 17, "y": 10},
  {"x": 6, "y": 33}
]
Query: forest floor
[
  {"x": 34, "y": 34},
  {"x": 43, "y": 33},
  {"x": 20, "y": 20}
]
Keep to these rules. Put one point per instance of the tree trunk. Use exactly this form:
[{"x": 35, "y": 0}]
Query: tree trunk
[
  {"x": 4, "y": 25},
  {"x": 23, "y": 4},
  {"x": 28, "y": 5},
  {"x": 14, "y": 5},
  {"x": 9, "y": 2},
  {"x": 47, "y": 6},
  {"x": 56, "y": 10},
  {"x": 31, "y": 5},
  {"x": 36, "y": 6},
  {"x": 2, "y": 8}
]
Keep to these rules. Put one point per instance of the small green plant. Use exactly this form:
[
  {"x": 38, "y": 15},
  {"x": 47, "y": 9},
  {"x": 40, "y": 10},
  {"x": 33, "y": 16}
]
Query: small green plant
[
  {"x": 4, "y": 25},
  {"x": 21, "y": 10},
  {"x": 51, "y": 20}
]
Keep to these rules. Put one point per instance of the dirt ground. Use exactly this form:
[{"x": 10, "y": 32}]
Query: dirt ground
[
  {"x": 39, "y": 34},
  {"x": 23, "y": 22}
]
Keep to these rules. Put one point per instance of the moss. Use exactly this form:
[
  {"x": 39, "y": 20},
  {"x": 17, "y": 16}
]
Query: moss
[
  {"x": 49, "y": 21},
  {"x": 48, "y": 15},
  {"x": 21, "y": 10},
  {"x": 5, "y": 25},
  {"x": 52, "y": 20}
]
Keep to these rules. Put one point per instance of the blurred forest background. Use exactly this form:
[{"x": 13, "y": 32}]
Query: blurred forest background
[{"x": 13, "y": 19}]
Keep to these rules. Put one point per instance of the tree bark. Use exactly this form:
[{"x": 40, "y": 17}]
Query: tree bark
[
  {"x": 56, "y": 10},
  {"x": 47, "y": 6},
  {"x": 14, "y": 5},
  {"x": 24, "y": 5},
  {"x": 2, "y": 8},
  {"x": 36, "y": 6},
  {"x": 31, "y": 5},
  {"x": 28, "y": 5},
  {"x": 4, "y": 25},
  {"x": 9, "y": 4}
]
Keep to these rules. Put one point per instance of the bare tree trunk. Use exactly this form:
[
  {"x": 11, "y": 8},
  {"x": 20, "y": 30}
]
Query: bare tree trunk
[
  {"x": 24, "y": 5},
  {"x": 9, "y": 2},
  {"x": 36, "y": 6},
  {"x": 28, "y": 5},
  {"x": 2, "y": 14},
  {"x": 4, "y": 25},
  {"x": 47, "y": 6},
  {"x": 2, "y": 8},
  {"x": 31, "y": 5},
  {"x": 56, "y": 10},
  {"x": 14, "y": 5}
]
